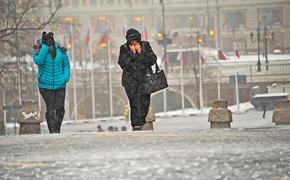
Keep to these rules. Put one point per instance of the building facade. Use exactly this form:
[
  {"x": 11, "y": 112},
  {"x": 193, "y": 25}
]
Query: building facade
[{"x": 221, "y": 21}]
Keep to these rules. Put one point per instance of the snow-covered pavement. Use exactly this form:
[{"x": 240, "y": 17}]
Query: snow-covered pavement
[
  {"x": 181, "y": 147},
  {"x": 255, "y": 153}
]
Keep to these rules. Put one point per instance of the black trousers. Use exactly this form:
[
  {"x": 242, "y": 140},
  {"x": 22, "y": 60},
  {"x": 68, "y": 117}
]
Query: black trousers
[
  {"x": 54, "y": 101},
  {"x": 139, "y": 104}
]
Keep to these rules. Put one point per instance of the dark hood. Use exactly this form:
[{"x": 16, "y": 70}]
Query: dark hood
[{"x": 133, "y": 34}]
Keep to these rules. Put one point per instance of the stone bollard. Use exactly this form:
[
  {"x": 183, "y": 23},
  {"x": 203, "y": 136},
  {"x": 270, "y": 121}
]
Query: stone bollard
[
  {"x": 150, "y": 118},
  {"x": 220, "y": 116},
  {"x": 281, "y": 115},
  {"x": 29, "y": 118}
]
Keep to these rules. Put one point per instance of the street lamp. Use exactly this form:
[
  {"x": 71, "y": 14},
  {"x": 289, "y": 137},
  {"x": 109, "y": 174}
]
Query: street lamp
[
  {"x": 199, "y": 41},
  {"x": 164, "y": 54},
  {"x": 71, "y": 45},
  {"x": 257, "y": 39},
  {"x": 266, "y": 37}
]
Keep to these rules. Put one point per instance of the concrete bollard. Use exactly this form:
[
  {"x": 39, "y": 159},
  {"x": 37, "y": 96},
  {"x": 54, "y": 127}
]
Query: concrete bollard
[
  {"x": 220, "y": 116},
  {"x": 150, "y": 118},
  {"x": 281, "y": 115},
  {"x": 29, "y": 118}
]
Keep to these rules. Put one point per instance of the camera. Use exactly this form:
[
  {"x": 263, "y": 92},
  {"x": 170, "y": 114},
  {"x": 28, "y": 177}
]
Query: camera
[{"x": 47, "y": 38}]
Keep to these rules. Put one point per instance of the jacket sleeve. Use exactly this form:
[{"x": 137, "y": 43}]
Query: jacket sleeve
[
  {"x": 149, "y": 56},
  {"x": 126, "y": 58},
  {"x": 66, "y": 67},
  {"x": 39, "y": 58}
]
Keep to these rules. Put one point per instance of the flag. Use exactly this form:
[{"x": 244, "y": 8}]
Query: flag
[
  {"x": 106, "y": 34},
  {"x": 145, "y": 34},
  {"x": 202, "y": 60},
  {"x": 238, "y": 53},
  {"x": 88, "y": 37},
  {"x": 180, "y": 58},
  {"x": 164, "y": 60},
  {"x": 221, "y": 55},
  {"x": 70, "y": 39}
]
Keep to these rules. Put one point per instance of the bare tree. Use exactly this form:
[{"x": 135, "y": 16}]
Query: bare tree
[{"x": 21, "y": 19}]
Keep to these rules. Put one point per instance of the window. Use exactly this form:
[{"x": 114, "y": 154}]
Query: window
[
  {"x": 119, "y": 1},
  {"x": 128, "y": 2},
  {"x": 75, "y": 3},
  {"x": 84, "y": 2},
  {"x": 93, "y": 2},
  {"x": 182, "y": 21},
  {"x": 66, "y": 3},
  {"x": 234, "y": 20},
  {"x": 278, "y": 41},
  {"x": 271, "y": 17},
  {"x": 110, "y": 1}
]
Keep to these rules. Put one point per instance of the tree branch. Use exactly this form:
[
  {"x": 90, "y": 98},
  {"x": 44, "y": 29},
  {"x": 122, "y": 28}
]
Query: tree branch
[{"x": 16, "y": 26}]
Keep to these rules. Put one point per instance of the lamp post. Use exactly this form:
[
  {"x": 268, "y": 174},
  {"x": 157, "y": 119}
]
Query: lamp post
[
  {"x": 199, "y": 41},
  {"x": 267, "y": 36},
  {"x": 236, "y": 68},
  {"x": 258, "y": 39},
  {"x": 164, "y": 54},
  {"x": 70, "y": 21}
]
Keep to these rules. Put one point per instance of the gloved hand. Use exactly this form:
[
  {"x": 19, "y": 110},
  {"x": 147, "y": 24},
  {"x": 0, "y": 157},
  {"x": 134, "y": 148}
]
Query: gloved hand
[{"x": 36, "y": 46}]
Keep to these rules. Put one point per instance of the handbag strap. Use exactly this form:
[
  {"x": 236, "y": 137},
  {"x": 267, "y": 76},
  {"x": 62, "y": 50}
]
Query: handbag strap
[{"x": 157, "y": 69}]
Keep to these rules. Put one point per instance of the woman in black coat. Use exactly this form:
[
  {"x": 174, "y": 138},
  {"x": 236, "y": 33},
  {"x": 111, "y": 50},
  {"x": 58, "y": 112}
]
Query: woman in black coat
[{"x": 136, "y": 58}]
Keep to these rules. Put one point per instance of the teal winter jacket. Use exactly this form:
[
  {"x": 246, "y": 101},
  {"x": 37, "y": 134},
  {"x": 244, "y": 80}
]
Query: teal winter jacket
[{"x": 52, "y": 73}]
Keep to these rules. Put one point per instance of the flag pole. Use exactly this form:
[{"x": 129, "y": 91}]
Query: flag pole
[
  {"x": 182, "y": 81},
  {"x": 110, "y": 80},
  {"x": 92, "y": 73},
  {"x": 218, "y": 81},
  {"x": 74, "y": 74},
  {"x": 165, "y": 55},
  {"x": 200, "y": 81},
  {"x": 4, "y": 110},
  {"x": 236, "y": 80}
]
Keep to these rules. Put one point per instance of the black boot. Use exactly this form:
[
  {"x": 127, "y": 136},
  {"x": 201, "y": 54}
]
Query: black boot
[
  {"x": 137, "y": 128},
  {"x": 59, "y": 119},
  {"x": 50, "y": 119}
]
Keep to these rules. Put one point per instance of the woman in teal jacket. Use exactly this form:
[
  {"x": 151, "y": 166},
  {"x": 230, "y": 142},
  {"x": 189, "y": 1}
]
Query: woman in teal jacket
[{"x": 53, "y": 74}]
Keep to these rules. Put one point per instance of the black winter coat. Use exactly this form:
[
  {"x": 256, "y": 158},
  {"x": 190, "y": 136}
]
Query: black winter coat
[{"x": 135, "y": 66}]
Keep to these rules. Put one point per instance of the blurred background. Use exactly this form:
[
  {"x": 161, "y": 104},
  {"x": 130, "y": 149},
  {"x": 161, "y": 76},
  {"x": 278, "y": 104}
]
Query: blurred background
[{"x": 230, "y": 49}]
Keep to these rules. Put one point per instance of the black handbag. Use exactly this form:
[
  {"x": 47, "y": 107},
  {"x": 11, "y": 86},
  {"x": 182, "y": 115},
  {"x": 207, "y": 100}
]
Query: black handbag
[{"x": 154, "y": 82}]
